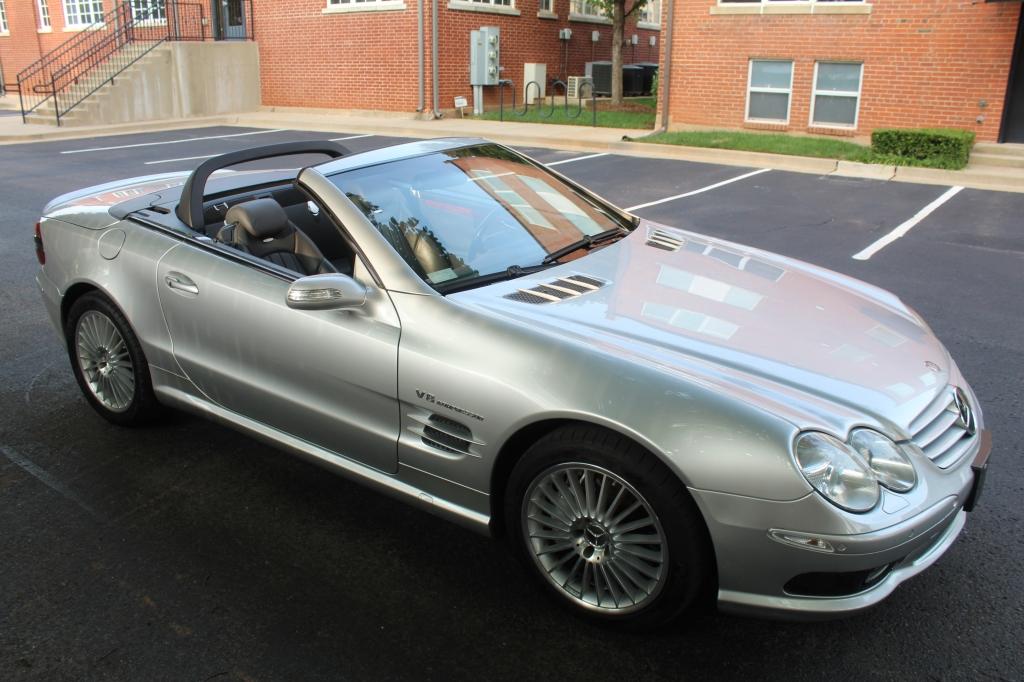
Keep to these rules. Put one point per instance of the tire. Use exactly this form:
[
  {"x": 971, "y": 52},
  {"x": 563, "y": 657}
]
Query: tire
[
  {"x": 108, "y": 362},
  {"x": 637, "y": 570}
]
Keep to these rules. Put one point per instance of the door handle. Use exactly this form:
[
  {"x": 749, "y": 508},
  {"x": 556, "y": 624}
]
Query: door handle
[{"x": 179, "y": 282}]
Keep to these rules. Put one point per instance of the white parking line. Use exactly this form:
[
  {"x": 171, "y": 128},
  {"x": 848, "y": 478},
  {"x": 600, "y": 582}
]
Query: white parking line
[
  {"x": 184, "y": 158},
  {"x": 906, "y": 227},
  {"x": 350, "y": 137},
  {"x": 699, "y": 191},
  {"x": 576, "y": 158},
  {"x": 41, "y": 475},
  {"x": 187, "y": 139}
]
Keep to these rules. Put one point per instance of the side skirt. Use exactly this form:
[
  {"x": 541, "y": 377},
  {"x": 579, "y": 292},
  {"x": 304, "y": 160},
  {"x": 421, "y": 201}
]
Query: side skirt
[{"x": 174, "y": 391}]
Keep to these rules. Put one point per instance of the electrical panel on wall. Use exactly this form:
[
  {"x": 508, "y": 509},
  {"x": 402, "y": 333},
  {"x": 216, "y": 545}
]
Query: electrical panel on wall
[{"x": 485, "y": 56}]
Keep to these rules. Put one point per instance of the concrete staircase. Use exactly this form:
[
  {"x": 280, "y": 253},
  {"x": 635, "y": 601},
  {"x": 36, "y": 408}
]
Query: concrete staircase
[
  {"x": 1001, "y": 164},
  {"x": 93, "y": 109}
]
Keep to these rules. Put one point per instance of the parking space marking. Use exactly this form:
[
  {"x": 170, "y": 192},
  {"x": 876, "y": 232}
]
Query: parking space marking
[
  {"x": 699, "y": 191},
  {"x": 904, "y": 228},
  {"x": 576, "y": 158},
  {"x": 187, "y": 139},
  {"x": 350, "y": 137},
  {"x": 41, "y": 475},
  {"x": 184, "y": 158}
]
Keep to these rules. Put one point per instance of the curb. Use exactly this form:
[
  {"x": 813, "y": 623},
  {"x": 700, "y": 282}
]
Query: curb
[
  {"x": 117, "y": 129},
  {"x": 540, "y": 135}
]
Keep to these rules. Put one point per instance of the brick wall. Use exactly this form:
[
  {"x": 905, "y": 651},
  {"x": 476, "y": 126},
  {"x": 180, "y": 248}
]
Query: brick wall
[
  {"x": 368, "y": 60},
  {"x": 926, "y": 62}
]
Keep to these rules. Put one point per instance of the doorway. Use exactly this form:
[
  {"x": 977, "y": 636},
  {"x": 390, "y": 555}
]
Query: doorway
[
  {"x": 230, "y": 20},
  {"x": 1013, "y": 119}
]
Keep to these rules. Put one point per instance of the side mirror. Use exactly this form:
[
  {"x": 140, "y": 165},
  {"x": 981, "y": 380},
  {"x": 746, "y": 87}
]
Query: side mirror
[{"x": 332, "y": 291}]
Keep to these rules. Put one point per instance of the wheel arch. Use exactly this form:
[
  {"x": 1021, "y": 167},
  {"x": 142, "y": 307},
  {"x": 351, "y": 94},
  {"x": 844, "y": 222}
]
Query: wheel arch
[{"x": 520, "y": 441}]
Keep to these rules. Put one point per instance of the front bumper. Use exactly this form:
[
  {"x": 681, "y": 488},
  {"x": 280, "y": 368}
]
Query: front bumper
[{"x": 755, "y": 570}]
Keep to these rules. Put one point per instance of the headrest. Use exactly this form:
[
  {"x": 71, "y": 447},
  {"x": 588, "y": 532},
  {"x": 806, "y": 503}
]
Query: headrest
[{"x": 260, "y": 218}]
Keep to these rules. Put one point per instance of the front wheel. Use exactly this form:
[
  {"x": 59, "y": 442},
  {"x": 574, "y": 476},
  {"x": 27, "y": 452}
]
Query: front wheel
[{"x": 609, "y": 529}]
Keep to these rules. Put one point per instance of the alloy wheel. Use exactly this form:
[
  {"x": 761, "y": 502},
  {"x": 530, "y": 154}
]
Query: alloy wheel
[
  {"x": 595, "y": 538},
  {"x": 105, "y": 361}
]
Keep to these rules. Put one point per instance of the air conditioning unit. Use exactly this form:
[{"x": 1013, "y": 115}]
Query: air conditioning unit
[{"x": 575, "y": 85}]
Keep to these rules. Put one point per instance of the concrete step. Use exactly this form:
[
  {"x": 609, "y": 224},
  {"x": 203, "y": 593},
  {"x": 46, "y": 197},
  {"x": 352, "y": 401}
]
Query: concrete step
[
  {"x": 1015, "y": 151},
  {"x": 1001, "y": 160},
  {"x": 995, "y": 177}
]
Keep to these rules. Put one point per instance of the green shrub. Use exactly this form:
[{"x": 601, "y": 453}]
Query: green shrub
[{"x": 933, "y": 148}]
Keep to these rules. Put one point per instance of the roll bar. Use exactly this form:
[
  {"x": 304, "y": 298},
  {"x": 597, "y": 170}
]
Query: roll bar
[{"x": 190, "y": 205}]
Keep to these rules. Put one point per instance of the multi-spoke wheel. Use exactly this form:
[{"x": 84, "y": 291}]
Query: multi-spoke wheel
[
  {"x": 108, "y": 361},
  {"x": 104, "y": 360},
  {"x": 595, "y": 537},
  {"x": 609, "y": 528}
]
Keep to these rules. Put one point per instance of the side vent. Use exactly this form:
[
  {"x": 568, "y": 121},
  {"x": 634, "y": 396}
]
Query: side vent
[
  {"x": 557, "y": 290},
  {"x": 660, "y": 239},
  {"x": 444, "y": 434}
]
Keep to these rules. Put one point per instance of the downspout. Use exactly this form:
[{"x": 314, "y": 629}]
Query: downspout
[
  {"x": 433, "y": 59},
  {"x": 663, "y": 74},
  {"x": 420, "y": 47}
]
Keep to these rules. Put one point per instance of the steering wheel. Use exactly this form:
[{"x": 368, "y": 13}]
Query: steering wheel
[{"x": 487, "y": 230}]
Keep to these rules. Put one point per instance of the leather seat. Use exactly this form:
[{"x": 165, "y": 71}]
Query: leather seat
[{"x": 261, "y": 227}]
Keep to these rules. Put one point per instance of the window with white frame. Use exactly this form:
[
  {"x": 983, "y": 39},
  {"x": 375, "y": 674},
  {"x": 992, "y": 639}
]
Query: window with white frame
[
  {"x": 82, "y": 12},
  {"x": 772, "y": 2},
  {"x": 770, "y": 85},
  {"x": 546, "y": 6},
  {"x": 499, "y": 3},
  {"x": 149, "y": 10},
  {"x": 361, "y": 3},
  {"x": 4, "y": 27},
  {"x": 585, "y": 8},
  {"x": 836, "y": 98},
  {"x": 651, "y": 13},
  {"x": 44, "y": 14}
]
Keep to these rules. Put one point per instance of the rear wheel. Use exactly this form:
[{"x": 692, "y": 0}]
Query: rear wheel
[
  {"x": 608, "y": 529},
  {"x": 108, "y": 362}
]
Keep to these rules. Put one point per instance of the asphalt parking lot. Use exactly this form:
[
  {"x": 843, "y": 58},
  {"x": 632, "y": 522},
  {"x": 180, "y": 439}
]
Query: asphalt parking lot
[{"x": 188, "y": 552}]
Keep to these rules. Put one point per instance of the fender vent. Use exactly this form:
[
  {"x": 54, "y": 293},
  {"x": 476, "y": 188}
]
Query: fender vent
[
  {"x": 666, "y": 241},
  {"x": 557, "y": 290},
  {"x": 444, "y": 434}
]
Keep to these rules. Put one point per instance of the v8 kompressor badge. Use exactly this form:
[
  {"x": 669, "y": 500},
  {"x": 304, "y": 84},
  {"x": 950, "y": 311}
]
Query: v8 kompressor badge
[{"x": 433, "y": 399}]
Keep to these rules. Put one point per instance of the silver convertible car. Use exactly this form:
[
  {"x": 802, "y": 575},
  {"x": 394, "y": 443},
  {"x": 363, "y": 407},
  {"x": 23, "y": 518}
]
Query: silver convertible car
[{"x": 654, "y": 420}]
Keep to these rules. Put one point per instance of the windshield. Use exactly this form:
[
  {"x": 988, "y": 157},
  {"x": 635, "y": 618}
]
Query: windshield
[{"x": 475, "y": 211}]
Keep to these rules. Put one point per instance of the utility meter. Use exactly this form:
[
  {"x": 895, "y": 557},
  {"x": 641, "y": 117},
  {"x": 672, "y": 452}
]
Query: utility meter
[{"x": 485, "y": 56}]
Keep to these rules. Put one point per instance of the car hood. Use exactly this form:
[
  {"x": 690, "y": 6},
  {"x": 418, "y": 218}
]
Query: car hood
[{"x": 775, "y": 328}]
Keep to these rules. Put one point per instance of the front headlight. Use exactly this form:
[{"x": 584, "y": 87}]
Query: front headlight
[
  {"x": 837, "y": 471},
  {"x": 888, "y": 460}
]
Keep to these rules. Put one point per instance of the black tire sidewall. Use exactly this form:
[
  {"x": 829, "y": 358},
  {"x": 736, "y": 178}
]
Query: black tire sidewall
[
  {"x": 689, "y": 582},
  {"x": 143, "y": 404}
]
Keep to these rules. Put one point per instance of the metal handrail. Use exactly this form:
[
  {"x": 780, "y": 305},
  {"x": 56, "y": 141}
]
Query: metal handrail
[{"x": 79, "y": 67}]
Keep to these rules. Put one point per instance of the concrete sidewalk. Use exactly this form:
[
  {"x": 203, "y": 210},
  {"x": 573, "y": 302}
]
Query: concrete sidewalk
[{"x": 577, "y": 138}]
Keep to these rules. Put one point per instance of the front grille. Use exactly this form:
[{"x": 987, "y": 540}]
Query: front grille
[{"x": 939, "y": 431}]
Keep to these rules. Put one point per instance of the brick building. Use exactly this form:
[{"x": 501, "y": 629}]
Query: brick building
[
  {"x": 847, "y": 68},
  {"x": 365, "y": 54},
  {"x": 821, "y": 66}
]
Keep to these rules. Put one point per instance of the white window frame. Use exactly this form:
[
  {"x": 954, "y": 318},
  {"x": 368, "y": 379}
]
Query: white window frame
[
  {"x": 649, "y": 17},
  {"x": 90, "y": 7},
  {"x": 5, "y": 28},
  {"x": 791, "y": 2},
  {"x": 486, "y": 6},
  {"x": 584, "y": 8},
  {"x": 775, "y": 91},
  {"x": 343, "y": 6},
  {"x": 836, "y": 93},
  {"x": 45, "y": 22},
  {"x": 143, "y": 17},
  {"x": 547, "y": 6}
]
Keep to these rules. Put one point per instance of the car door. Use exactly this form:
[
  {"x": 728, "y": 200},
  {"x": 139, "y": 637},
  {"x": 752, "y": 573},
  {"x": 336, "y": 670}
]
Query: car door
[{"x": 327, "y": 377}]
